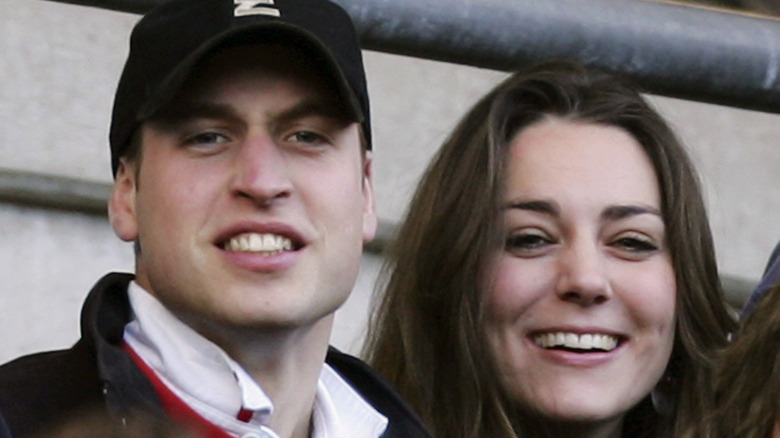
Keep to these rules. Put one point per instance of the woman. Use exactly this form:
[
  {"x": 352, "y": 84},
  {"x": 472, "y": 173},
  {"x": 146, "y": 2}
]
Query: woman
[{"x": 555, "y": 268}]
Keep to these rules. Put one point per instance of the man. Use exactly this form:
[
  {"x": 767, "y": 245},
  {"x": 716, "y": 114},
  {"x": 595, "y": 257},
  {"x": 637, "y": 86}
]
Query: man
[{"x": 240, "y": 144}]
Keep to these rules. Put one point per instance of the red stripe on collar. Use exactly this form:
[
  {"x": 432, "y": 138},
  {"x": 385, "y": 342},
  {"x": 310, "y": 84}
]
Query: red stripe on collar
[{"x": 176, "y": 408}]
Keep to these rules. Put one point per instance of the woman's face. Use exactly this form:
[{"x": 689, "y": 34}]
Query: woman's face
[{"x": 581, "y": 297}]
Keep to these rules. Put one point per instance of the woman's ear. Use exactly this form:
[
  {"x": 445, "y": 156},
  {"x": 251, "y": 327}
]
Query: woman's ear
[{"x": 121, "y": 205}]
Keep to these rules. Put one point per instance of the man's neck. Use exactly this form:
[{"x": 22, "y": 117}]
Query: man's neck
[{"x": 286, "y": 363}]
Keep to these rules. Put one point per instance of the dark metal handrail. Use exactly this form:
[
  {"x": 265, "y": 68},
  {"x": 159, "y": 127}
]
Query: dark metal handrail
[{"x": 669, "y": 49}]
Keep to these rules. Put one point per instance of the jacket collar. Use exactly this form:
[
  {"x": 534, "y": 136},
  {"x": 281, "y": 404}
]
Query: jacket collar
[{"x": 103, "y": 319}]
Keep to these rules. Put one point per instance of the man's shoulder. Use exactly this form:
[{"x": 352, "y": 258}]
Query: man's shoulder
[
  {"x": 402, "y": 422},
  {"x": 43, "y": 388},
  {"x": 54, "y": 382},
  {"x": 49, "y": 365},
  {"x": 76, "y": 365}
]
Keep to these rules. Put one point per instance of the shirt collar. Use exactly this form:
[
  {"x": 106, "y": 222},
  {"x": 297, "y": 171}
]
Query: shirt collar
[
  {"x": 191, "y": 366},
  {"x": 218, "y": 388},
  {"x": 339, "y": 411}
]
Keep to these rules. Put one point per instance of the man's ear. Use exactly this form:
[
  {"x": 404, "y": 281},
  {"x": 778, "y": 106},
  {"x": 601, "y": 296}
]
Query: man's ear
[
  {"x": 121, "y": 205},
  {"x": 369, "y": 208}
]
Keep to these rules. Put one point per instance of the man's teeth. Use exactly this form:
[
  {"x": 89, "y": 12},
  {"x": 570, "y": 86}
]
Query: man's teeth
[
  {"x": 575, "y": 341},
  {"x": 259, "y": 243}
]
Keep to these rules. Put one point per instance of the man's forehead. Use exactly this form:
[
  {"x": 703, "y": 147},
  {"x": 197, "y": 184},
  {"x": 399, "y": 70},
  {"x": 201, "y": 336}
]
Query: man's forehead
[{"x": 186, "y": 109}]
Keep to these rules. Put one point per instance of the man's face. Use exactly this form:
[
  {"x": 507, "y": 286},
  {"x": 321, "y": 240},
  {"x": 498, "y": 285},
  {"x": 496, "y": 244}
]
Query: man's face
[{"x": 252, "y": 198}]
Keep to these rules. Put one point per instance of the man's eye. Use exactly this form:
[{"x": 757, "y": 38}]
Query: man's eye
[
  {"x": 308, "y": 137},
  {"x": 207, "y": 138}
]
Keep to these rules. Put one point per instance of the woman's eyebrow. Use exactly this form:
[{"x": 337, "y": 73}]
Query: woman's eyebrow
[
  {"x": 618, "y": 212},
  {"x": 615, "y": 212},
  {"x": 549, "y": 208}
]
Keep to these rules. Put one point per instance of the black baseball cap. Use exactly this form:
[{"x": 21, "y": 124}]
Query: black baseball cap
[{"x": 168, "y": 42}]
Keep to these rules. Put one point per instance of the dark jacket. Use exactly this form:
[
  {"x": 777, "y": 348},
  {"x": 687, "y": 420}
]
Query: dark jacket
[
  {"x": 96, "y": 375},
  {"x": 4, "y": 432}
]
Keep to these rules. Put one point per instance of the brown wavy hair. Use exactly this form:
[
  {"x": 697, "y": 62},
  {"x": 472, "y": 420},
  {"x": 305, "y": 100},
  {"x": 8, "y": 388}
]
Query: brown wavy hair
[
  {"x": 427, "y": 336},
  {"x": 747, "y": 378}
]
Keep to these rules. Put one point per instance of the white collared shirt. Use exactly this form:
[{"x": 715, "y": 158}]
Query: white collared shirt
[{"x": 217, "y": 387}]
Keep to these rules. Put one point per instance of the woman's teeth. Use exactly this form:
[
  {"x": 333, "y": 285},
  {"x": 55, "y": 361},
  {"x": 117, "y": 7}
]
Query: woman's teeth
[
  {"x": 576, "y": 342},
  {"x": 259, "y": 243}
]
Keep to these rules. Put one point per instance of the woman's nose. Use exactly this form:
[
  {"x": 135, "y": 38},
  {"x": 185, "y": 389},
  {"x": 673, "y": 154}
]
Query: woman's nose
[{"x": 582, "y": 277}]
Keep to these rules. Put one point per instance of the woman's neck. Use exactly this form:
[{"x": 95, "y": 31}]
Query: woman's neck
[{"x": 552, "y": 428}]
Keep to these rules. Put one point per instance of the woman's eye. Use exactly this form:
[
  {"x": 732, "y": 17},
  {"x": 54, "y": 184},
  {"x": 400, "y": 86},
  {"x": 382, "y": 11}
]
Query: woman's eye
[
  {"x": 636, "y": 244},
  {"x": 526, "y": 242}
]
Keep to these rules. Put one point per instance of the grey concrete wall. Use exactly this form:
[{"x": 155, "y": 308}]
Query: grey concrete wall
[{"x": 58, "y": 68}]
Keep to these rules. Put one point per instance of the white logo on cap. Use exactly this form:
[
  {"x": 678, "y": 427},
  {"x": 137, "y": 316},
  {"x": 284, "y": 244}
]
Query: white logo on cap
[{"x": 252, "y": 7}]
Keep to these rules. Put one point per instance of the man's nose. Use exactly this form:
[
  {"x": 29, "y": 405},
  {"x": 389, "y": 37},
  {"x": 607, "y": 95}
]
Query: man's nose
[{"x": 261, "y": 172}]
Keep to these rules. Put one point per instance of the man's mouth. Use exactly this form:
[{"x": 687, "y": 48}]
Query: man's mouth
[
  {"x": 257, "y": 243},
  {"x": 588, "y": 342}
]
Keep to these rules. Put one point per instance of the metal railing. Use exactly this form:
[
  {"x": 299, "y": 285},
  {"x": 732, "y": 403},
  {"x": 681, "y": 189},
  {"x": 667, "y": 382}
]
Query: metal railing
[{"x": 669, "y": 49}]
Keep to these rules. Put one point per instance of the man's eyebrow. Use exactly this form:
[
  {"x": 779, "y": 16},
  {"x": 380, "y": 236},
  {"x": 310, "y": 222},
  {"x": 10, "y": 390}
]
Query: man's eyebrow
[
  {"x": 194, "y": 110},
  {"x": 618, "y": 212},
  {"x": 316, "y": 107},
  {"x": 209, "y": 110},
  {"x": 539, "y": 206}
]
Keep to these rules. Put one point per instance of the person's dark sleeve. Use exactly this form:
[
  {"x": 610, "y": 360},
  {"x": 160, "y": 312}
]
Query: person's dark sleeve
[
  {"x": 771, "y": 277},
  {"x": 4, "y": 432}
]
